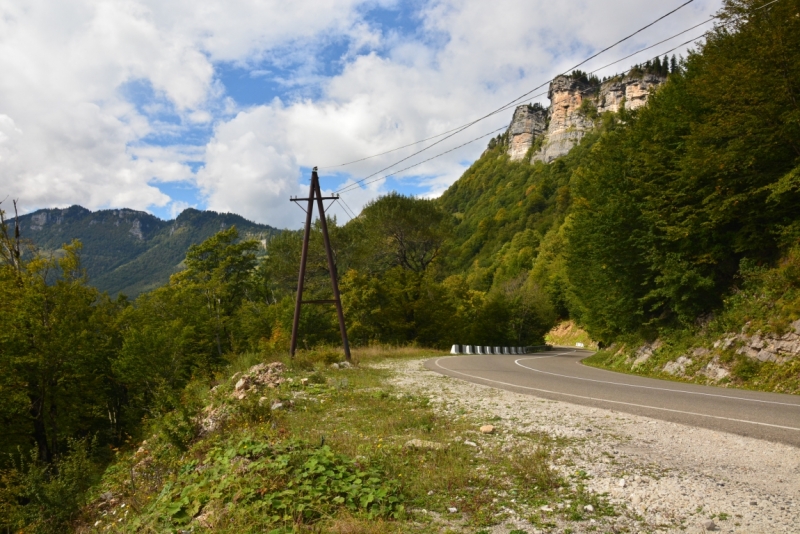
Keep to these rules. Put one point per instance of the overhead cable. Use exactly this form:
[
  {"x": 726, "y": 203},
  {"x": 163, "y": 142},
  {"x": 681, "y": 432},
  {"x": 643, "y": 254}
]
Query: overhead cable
[
  {"x": 505, "y": 106},
  {"x": 350, "y": 187},
  {"x": 355, "y": 185}
]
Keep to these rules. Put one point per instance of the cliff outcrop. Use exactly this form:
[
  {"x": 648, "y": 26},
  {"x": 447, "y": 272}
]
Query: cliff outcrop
[
  {"x": 575, "y": 102},
  {"x": 529, "y": 123}
]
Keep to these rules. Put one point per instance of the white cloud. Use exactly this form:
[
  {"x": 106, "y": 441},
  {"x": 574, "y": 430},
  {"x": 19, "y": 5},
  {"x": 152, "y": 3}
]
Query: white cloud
[
  {"x": 74, "y": 135},
  {"x": 69, "y": 132}
]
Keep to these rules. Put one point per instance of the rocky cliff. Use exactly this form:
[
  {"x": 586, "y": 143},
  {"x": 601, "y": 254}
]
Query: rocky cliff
[
  {"x": 575, "y": 102},
  {"x": 529, "y": 123}
]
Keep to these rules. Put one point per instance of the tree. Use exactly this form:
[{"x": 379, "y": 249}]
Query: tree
[
  {"x": 403, "y": 231},
  {"x": 56, "y": 341}
]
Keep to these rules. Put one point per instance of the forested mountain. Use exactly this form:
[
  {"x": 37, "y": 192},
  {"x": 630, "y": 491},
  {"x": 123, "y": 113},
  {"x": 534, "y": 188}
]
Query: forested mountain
[{"x": 129, "y": 252}]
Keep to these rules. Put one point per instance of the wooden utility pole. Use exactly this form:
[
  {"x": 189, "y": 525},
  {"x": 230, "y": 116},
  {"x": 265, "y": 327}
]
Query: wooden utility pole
[{"x": 315, "y": 193}]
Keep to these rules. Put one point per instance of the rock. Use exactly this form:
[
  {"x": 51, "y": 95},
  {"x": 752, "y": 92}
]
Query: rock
[
  {"x": 766, "y": 356},
  {"x": 304, "y": 381},
  {"x": 345, "y": 365},
  {"x": 708, "y": 525},
  {"x": 452, "y": 509},
  {"x": 568, "y": 121},
  {"x": 621, "y": 483},
  {"x": 714, "y": 371},
  {"x": 276, "y": 406},
  {"x": 205, "y": 520},
  {"x": 528, "y": 123},
  {"x": 589, "y": 508},
  {"x": 487, "y": 429},
  {"x": 644, "y": 352},
  {"x": 334, "y": 366},
  {"x": 678, "y": 367},
  {"x": 262, "y": 401},
  {"x": 470, "y": 443},
  {"x": 796, "y": 326},
  {"x": 546, "y": 509},
  {"x": 568, "y": 125},
  {"x": 259, "y": 375},
  {"x": 421, "y": 444},
  {"x": 635, "y": 499},
  {"x": 107, "y": 496}
]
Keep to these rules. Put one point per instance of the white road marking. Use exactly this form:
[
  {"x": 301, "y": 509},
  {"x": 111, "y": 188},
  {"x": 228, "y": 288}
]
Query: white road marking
[
  {"x": 648, "y": 387},
  {"x": 612, "y": 401}
]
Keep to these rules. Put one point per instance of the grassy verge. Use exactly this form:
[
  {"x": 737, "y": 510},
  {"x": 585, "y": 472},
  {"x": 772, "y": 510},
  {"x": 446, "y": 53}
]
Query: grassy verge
[
  {"x": 739, "y": 370},
  {"x": 327, "y": 451}
]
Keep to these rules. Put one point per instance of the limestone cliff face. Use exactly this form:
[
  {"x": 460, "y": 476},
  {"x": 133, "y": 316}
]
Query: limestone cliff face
[
  {"x": 528, "y": 123},
  {"x": 634, "y": 90},
  {"x": 572, "y": 102},
  {"x": 568, "y": 123}
]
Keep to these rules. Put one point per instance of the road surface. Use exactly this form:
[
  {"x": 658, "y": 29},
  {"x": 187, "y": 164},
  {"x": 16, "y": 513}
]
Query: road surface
[{"x": 559, "y": 375}]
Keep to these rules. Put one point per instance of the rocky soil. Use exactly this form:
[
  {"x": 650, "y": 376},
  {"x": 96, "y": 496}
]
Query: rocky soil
[{"x": 661, "y": 476}]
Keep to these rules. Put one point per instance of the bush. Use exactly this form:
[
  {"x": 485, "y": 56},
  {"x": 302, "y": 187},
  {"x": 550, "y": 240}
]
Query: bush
[{"x": 46, "y": 498}]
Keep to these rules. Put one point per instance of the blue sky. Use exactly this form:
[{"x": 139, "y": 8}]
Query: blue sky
[{"x": 162, "y": 105}]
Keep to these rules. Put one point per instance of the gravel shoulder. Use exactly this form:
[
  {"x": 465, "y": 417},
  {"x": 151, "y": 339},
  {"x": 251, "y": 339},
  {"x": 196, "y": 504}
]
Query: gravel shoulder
[{"x": 661, "y": 476}]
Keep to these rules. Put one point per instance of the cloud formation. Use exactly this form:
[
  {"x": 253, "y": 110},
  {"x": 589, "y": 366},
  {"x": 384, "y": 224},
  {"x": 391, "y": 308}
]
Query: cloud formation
[{"x": 103, "y": 101}]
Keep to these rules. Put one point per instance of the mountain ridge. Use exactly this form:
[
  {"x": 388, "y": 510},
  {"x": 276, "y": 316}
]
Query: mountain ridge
[{"x": 127, "y": 251}]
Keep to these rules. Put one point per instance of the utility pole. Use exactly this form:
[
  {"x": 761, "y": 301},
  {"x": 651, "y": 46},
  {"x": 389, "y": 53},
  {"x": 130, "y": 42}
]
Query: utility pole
[{"x": 315, "y": 194}]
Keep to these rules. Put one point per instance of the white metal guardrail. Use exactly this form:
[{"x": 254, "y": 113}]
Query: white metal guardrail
[{"x": 477, "y": 349}]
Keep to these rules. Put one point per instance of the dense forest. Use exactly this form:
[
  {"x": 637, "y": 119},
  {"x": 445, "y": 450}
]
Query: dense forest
[{"x": 662, "y": 217}]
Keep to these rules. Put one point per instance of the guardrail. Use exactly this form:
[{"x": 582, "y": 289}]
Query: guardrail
[{"x": 478, "y": 349}]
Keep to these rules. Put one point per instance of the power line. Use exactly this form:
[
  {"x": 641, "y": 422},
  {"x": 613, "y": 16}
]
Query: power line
[
  {"x": 354, "y": 185},
  {"x": 348, "y": 208},
  {"x": 506, "y": 106},
  {"x": 678, "y": 34},
  {"x": 391, "y": 150},
  {"x": 528, "y": 95}
]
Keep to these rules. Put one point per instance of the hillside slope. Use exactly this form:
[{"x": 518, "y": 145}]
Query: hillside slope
[{"x": 130, "y": 252}]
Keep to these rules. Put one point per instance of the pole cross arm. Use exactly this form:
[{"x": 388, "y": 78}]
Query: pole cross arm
[{"x": 295, "y": 199}]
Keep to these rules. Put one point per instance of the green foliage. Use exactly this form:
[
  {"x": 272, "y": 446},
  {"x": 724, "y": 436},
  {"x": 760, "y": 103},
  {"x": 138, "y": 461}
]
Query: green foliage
[
  {"x": 46, "y": 498},
  {"x": 284, "y": 483},
  {"x": 668, "y": 204},
  {"x": 57, "y": 336}
]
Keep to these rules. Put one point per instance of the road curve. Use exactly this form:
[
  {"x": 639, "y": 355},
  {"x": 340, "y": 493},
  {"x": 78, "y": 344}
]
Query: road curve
[{"x": 559, "y": 375}]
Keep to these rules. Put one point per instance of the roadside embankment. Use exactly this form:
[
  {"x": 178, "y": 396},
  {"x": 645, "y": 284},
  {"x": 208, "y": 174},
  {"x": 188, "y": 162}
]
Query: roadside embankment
[{"x": 658, "y": 475}]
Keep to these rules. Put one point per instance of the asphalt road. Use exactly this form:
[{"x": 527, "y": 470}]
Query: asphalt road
[{"x": 559, "y": 375}]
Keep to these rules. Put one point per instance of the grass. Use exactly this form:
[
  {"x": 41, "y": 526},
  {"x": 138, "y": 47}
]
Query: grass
[
  {"x": 766, "y": 300},
  {"x": 745, "y": 373},
  {"x": 332, "y": 459}
]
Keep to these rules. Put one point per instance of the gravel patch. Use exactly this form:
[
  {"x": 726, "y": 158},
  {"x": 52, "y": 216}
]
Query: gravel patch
[{"x": 661, "y": 476}]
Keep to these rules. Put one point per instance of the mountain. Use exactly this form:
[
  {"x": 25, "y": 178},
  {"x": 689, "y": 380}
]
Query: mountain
[
  {"x": 519, "y": 191},
  {"x": 127, "y": 251}
]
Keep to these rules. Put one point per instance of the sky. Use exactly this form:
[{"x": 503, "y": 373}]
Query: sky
[{"x": 161, "y": 105}]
